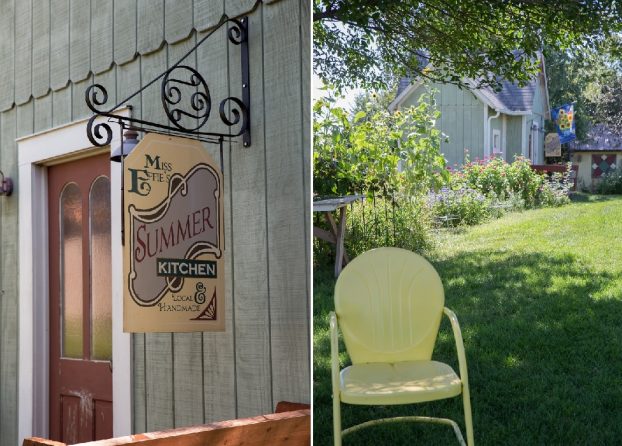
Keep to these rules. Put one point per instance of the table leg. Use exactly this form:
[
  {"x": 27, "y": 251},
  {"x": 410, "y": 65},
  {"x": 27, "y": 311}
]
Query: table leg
[{"x": 341, "y": 232}]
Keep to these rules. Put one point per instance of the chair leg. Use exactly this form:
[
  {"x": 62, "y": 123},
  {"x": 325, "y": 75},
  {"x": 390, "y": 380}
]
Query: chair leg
[
  {"x": 468, "y": 419},
  {"x": 336, "y": 420}
]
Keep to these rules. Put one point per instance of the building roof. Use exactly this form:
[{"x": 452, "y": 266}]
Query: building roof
[
  {"x": 599, "y": 139},
  {"x": 512, "y": 98}
]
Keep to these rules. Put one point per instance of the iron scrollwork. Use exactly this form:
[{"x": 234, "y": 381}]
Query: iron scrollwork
[{"x": 186, "y": 100}]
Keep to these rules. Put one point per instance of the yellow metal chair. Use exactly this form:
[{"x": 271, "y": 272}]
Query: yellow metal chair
[{"x": 388, "y": 304}]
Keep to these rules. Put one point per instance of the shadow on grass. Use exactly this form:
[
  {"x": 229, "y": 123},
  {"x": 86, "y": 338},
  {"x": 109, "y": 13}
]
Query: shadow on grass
[
  {"x": 582, "y": 197},
  {"x": 543, "y": 352}
]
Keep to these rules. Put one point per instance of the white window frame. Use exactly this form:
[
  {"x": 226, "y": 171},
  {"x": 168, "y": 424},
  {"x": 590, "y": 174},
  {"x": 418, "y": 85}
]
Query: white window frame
[
  {"x": 35, "y": 153},
  {"x": 499, "y": 151}
]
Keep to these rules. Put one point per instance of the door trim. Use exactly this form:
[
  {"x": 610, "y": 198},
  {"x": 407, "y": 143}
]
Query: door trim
[{"x": 35, "y": 153}]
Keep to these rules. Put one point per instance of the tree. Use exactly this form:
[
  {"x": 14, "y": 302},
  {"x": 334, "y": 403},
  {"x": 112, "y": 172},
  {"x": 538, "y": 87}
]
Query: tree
[
  {"x": 367, "y": 43},
  {"x": 592, "y": 79}
]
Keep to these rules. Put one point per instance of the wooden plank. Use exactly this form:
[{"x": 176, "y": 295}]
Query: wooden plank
[
  {"x": 283, "y": 80},
  {"x": 124, "y": 31},
  {"x": 235, "y": 8},
  {"x": 178, "y": 23},
  {"x": 152, "y": 66},
  {"x": 41, "y": 48},
  {"x": 101, "y": 35},
  {"x": 25, "y": 119},
  {"x": 187, "y": 347},
  {"x": 249, "y": 243},
  {"x": 159, "y": 381},
  {"x": 129, "y": 82},
  {"x": 23, "y": 51},
  {"x": 61, "y": 106},
  {"x": 7, "y": 50},
  {"x": 307, "y": 176},
  {"x": 79, "y": 110},
  {"x": 79, "y": 40},
  {"x": 207, "y": 13},
  {"x": 291, "y": 428},
  {"x": 218, "y": 348},
  {"x": 59, "y": 44},
  {"x": 139, "y": 389},
  {"x": 9, "y": 297},
  {"x": 150, "y": 23},
  {"x": 108, "y": 80},
  {"x": 43, "y": 113}
]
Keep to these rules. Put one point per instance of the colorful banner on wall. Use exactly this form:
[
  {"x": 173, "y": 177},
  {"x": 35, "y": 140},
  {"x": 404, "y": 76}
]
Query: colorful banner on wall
[
  {"x": 564, "y": 122},
  {"x": 173, "y": 253}
]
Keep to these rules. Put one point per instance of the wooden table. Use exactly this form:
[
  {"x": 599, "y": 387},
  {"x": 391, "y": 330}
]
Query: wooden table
[{"x": 337, "y": 232}]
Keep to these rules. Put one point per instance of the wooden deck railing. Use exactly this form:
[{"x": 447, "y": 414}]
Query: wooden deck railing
[{"x": 286, "y": 428}]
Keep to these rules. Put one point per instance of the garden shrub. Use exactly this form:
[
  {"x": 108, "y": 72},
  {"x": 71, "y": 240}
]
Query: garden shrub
[
  {"x": 514, "y": 185},
  {"x": 403, "y": 223},
  {"x": 463, "y": 206},
  {"x": 610, "y": 183}
]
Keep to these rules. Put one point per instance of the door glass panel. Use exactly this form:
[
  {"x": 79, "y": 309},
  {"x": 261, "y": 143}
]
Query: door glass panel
[
  {"x": 71, "y": 270},
  {"x": 101, "y": 287}
]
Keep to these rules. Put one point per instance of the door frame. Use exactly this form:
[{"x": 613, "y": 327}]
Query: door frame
[{"x": 35, "y": 153}]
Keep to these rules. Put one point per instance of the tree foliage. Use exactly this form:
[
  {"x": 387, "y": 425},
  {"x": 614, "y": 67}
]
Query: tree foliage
[
  {"x": 592, "y": 79},
  {"x": 369, "y": 42}
]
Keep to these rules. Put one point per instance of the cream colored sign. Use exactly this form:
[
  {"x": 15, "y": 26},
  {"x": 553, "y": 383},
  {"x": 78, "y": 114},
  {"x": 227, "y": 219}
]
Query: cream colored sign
[
  {"x": 173, "y": 254},
  {"x": 552, "y": 145}
]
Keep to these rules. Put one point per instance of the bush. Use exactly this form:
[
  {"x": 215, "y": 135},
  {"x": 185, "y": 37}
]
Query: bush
[
  {"x": 610, "y": 183},
  {"x": 403, "y": 223},
  {"x": 463, "y": 206},
  {"x": 515, "y": 184}
]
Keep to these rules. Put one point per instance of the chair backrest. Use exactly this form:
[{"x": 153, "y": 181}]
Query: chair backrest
[{"x": 389, "y": 303}]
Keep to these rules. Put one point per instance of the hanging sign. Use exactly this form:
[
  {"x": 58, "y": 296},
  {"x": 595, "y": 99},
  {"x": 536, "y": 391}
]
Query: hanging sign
[
  {"x": 552, "y": 145},
  {"x": 173, "y": 254},
  {"x": 564, "y": 122}
]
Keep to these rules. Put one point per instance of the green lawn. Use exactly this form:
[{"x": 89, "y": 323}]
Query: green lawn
[{"x": 539, "y": 299}]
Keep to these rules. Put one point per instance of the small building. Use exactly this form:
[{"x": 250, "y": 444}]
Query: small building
[
  {"x": 484, "y": 122},
  {"x": 599, "y": 153}
]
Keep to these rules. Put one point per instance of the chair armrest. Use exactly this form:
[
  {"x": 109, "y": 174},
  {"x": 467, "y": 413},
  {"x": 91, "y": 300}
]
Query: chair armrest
[
  {"x": 464, "y": 375},
  {"x": 334, "y": 353}
]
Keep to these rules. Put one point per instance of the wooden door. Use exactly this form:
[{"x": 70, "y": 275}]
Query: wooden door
[{"x": 80, "y": 300}]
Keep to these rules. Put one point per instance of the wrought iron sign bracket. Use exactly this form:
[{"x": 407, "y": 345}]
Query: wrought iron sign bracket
[{"x": 186, "y": 100}]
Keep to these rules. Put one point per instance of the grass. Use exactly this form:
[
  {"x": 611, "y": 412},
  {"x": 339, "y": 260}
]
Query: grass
[{"x": 539, "y": 298}]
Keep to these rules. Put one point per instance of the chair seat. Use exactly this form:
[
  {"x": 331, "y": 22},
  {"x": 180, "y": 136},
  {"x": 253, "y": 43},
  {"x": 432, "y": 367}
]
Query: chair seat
[{"x": 398, "y": 383}]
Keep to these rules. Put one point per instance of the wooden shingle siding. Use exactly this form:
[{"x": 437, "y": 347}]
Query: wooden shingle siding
[
  {"x": 263, "y": 356},
  {"x": 79, "y": 42},
  {"x": 43, "y": 113},
  {"x": 40, "y": 48},
  {"x": 79, "y": 110},
  {"x": 61, "y": 106},
  {"x": 7, "y": 52},
  {"x": 8, "y": 285},
  {"x": 150, "y": 25},
  {"x": 178, "y": 20},
  {"x": 101, "y": 35},
  {"x": 23, "y": 51},
  {"x": 59, "y": 44},
  {"x": 207, "y": 13},
  {"x": 283, "y": 80},
  {"x": 124, "y": 31}
]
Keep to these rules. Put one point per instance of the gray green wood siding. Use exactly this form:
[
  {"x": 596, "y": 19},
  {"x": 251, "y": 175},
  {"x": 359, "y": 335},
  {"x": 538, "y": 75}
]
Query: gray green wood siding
[
  {"x": 58, "y": 48},
  {"x": 462, "y": 121}
]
